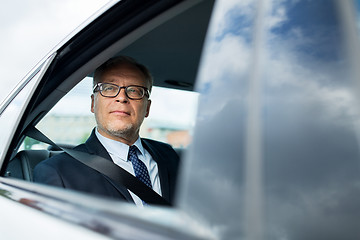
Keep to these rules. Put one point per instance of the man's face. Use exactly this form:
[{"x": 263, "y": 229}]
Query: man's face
[{"x": 120, "y": 118}]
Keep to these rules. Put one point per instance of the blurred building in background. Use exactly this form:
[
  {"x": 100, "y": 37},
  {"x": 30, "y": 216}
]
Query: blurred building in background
[{"x": 75, "y": 129}]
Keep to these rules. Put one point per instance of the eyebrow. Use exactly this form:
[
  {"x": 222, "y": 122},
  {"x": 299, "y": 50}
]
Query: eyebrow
[{"x": 110, "y": 80}]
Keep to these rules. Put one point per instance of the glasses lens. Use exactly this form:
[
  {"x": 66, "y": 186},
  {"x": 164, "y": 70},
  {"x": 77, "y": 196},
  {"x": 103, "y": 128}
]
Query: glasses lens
[
  {"x": 109, "y": 90},
  {"x": 135, "y": 92}
]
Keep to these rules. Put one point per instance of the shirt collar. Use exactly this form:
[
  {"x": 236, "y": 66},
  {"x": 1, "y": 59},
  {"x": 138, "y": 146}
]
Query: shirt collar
[
  {"x": 139, "y": 145},
  {"x": 117, "y": 148}
]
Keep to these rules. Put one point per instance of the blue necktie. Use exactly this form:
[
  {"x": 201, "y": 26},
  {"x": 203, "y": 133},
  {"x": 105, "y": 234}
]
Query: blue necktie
[{"x": 140, "y": 169}]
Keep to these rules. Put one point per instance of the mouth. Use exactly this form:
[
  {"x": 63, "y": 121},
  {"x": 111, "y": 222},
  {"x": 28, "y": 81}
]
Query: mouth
[{"x": 120, "y": 113}]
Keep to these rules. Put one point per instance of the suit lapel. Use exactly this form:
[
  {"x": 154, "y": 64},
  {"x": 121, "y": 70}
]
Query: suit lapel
[
  {"x": 94, "y": 146},
  {"x": 163, "y": 171}
]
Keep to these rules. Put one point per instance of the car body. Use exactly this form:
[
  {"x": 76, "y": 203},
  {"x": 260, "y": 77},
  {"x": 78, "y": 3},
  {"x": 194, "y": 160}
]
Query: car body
[{"x": 275, "y": 145}]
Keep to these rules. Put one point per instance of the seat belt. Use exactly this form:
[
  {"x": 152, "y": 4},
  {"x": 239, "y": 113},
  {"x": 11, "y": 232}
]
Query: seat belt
[{"x": 107, "y": 168}]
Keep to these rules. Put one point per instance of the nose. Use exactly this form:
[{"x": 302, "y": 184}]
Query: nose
[{"x": 121, "y": 97}]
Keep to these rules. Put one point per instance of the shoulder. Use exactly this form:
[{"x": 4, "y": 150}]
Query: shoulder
[
  {"x": 58, "y": 158},
  {"x": 159, "y": 147},
  {"x": 59, "y": 167},
  {"x": 161, "y": 152},
  {"x": 156, "y": 143}
]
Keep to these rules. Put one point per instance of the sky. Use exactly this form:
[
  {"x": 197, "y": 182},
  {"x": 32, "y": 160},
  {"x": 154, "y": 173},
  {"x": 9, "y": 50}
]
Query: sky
[{"x": 30, "y": 29}]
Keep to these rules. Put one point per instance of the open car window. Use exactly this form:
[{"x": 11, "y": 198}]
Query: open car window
[{"x": 170, "y": 45}]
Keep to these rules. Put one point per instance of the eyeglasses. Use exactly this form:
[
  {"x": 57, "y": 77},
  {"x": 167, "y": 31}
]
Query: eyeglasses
[{"x": 112, "y": 90}]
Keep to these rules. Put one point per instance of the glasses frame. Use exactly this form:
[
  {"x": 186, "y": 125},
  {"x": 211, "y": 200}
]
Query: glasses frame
[{"x": 98, "y": 85}]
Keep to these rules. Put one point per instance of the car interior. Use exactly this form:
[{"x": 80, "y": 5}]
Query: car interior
[{"x": 170, "y": 45}]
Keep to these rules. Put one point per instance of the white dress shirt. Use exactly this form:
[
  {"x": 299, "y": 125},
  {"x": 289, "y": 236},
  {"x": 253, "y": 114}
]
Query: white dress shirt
[{"x": 119, "y": 153}]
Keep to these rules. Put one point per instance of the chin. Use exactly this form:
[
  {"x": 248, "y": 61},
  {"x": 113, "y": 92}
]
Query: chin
[{"x": 122, "y": 131}]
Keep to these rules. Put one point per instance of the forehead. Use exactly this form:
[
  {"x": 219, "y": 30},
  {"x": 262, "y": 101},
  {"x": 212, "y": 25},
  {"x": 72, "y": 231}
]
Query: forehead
[{"x": 123, "y": 72}]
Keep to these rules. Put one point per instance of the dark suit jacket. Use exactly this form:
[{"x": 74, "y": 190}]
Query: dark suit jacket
[{"x": 64, "y": 171}]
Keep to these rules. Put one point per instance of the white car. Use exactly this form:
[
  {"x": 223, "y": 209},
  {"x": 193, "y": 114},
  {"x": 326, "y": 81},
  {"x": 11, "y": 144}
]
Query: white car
[{"x": 261, "y": 101}]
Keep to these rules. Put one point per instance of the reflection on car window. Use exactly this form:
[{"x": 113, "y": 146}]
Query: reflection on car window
[
  {"x": 171, "y": 119},
  {"x": 290, "y": 158}
]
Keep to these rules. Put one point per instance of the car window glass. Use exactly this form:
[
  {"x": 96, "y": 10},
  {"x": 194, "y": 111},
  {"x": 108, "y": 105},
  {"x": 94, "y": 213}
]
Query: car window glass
[
  {"x": 287, "y": 127},
  {"x": 171, "y": 119},
  {"x": 11, "y": 116}
]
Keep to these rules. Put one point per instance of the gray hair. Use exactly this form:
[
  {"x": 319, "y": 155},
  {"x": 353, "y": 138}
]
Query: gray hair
[{"x": 113, "y": 62}]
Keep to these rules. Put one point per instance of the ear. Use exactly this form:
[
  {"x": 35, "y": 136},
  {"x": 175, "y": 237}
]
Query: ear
[
  {"x": 148, "y": 108},
  {"x": 92, "y": 102}
]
